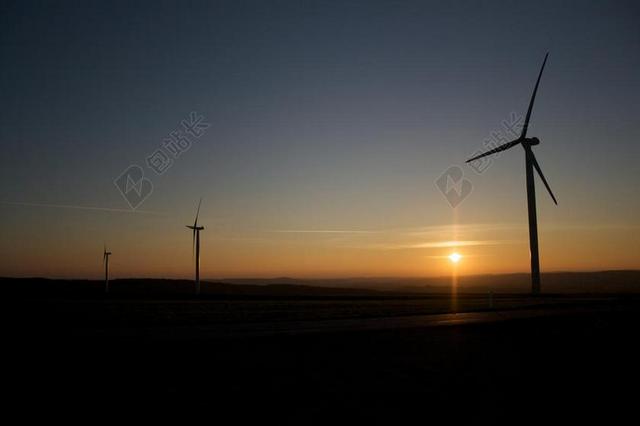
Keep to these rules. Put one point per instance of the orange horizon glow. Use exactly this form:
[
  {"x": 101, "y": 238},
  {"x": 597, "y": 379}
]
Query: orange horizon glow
[{"x": 321, "y": 254}]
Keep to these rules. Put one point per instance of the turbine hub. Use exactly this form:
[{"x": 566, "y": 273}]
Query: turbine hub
[{"x": 532, "y": 141}]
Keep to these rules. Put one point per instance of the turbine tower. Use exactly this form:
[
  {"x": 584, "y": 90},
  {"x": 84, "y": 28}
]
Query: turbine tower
[
  {"x": 105, "y": 261},
  {"x": 530, "y": 164},
  {"x": 196, "y": 243}
]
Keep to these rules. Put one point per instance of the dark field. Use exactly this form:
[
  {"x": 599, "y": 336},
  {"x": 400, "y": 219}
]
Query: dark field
[{"x": 319, "y": 359}]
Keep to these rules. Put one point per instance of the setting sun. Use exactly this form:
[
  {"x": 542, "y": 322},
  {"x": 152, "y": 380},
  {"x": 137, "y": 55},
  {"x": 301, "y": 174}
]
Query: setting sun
[{"x": 455, "y": 257}]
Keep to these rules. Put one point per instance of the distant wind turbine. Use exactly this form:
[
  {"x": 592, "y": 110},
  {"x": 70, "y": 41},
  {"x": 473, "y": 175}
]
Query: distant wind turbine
[
  {"x": 105, "y": 260},
  {"x": 196, "y": 242},
  {"x": 530, "y": 164}
]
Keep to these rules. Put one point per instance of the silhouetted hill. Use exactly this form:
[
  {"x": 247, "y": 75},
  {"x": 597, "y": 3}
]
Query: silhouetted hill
[
  {"x": 51, "y": 288},
  {"x": 554, "y": 282}
]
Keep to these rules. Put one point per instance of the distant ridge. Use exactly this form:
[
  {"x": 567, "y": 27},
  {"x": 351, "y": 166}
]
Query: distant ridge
[
  {"x": 620, "y": 281},
  {"x": 143, "y": 287},
  {"x": 552, "y": 282}
]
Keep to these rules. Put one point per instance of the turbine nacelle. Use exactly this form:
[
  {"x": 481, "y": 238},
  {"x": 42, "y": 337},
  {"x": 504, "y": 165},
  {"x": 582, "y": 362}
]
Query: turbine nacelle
[
  {"x": 105, "y": 254},
  {"x": 531, "y": 141}
]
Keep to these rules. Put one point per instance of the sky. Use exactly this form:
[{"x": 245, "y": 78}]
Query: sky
[{"x": 315, "y": 133}]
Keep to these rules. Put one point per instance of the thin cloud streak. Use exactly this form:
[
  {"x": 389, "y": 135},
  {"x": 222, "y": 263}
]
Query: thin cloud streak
[
  {"x": 443, "y": 244},
  {"x": 408, "y": 231},
  {"x": 475, "y": 227},
  {"x": 323, "y": 231},
  {"x": 76, "y": 207}
]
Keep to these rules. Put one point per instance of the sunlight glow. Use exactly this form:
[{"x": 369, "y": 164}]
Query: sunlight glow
[{"x": 455, "y": 257}]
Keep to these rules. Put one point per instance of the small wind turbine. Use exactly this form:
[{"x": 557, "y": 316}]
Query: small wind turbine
[
  {"x": 196, "y": 243},
  {"x": 530, "y": 164},
  {"x": 105, "y": 261}
]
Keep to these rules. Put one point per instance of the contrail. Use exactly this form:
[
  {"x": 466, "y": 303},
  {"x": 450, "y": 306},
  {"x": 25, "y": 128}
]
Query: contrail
[{"x": 76, "y": 207}]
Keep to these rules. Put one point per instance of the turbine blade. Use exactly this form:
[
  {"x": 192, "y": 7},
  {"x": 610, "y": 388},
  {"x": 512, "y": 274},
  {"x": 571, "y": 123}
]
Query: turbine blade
[
  {"x": 495, "y": 150},
  {"x": 544, "y": 180},
  {"x": 533, "y": 98},
  {"x": 197, "y": 213}
]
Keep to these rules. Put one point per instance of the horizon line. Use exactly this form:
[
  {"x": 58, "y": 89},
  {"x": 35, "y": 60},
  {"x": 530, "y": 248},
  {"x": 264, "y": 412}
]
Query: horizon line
[{"x": 221, "y": 280}]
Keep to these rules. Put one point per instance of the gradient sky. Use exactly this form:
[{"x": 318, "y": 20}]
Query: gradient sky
[{"x": 331, "y": 117}]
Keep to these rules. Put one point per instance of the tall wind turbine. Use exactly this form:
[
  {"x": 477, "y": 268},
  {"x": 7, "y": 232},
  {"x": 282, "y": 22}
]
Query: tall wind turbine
[
  {"x": 105, "y": 260},
  {"x": 530, "y": 164},
  {"x": 196, "y": 243}
]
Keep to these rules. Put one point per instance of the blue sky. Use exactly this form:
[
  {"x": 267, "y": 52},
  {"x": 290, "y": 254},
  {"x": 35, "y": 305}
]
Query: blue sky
[{"x": 323, "y": 116}]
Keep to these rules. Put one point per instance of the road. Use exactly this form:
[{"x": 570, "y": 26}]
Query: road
[{"x": 291, "y": 327}]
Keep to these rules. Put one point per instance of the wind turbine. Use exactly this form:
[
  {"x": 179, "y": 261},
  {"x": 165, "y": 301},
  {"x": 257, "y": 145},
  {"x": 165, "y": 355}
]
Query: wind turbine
[
  {"x": 530, "y": 164},
  {"x": 105, "y": 261},
  {"x": 196, "y": 242}
]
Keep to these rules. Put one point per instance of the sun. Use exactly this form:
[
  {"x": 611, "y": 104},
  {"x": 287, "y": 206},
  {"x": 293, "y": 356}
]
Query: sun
[{"x": 455, "y": 257}]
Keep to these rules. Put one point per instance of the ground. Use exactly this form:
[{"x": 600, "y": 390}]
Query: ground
[{"x": 364, "y": 359}]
